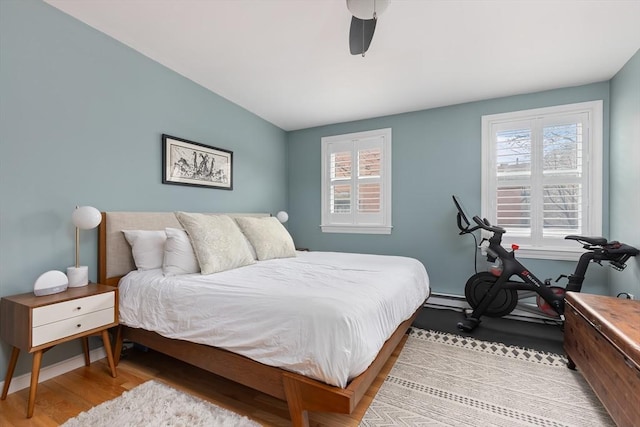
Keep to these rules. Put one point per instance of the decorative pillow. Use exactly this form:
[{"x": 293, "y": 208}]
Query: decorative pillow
[
  {"x": 268, "y": 236},
  {"x": 147, "y": 247},
  {"x": 217, "y": 242},
  {"x": 179, "y": 257}
]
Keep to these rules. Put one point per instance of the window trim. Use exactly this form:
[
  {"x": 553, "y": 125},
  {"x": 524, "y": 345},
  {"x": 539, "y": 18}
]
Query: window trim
[
  {"x": 386, "y": 226},
  {"x": 594, "y": 168}
]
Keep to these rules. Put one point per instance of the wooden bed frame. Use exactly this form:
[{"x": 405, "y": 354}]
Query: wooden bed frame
[{"x": 301, "y": 393}]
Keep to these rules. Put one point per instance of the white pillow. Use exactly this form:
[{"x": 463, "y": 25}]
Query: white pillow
[
  {"x": 251, "y": 248},
  {"x": 268, "y": 236},
  {"x": 179, "y": 257},
  {"x": 147, "y": 247},
  {"x": 217, "y": 241}
]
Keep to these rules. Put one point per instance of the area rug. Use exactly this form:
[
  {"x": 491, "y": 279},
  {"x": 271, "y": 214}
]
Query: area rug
[
  {"x": 449, "y": 380},
  {"x": 156, "y": 404}
]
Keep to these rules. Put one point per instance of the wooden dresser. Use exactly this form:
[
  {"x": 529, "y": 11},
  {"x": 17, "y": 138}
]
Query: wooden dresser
[{"x": 602, "y": 339}]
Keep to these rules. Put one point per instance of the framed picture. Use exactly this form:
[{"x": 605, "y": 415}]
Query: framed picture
[{"x": 186, "y": 162}]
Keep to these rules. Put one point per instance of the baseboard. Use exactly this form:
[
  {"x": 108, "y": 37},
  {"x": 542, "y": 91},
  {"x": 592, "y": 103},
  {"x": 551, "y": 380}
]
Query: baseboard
[
  {"x": 51, "y": 371},
  {"x": 447, "y": 301},
  {"x": 459, "y": 303}
]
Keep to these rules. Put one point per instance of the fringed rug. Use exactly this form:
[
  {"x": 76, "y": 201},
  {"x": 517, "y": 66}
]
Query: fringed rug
[
  {"x": 155, "y": 404},
  {"x": 448, "y": 380}
]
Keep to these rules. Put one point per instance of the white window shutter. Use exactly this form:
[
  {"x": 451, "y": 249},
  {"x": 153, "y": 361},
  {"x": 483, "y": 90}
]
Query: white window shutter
[
  {"x": 356, "y": 182},
  {"x": 542, "y": 176}
]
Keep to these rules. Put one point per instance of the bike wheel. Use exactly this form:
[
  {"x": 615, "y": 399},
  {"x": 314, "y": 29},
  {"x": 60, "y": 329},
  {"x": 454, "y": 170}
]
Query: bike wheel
[{"x": 477, "y": 287}]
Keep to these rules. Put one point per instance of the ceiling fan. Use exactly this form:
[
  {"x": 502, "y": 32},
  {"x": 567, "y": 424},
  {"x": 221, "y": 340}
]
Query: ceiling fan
[{"x": 363, "y": 23}]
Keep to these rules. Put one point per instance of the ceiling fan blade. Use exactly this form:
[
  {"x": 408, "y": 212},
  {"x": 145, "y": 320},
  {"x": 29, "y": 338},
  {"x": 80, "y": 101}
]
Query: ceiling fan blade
[{"x": 360, "y": 35}]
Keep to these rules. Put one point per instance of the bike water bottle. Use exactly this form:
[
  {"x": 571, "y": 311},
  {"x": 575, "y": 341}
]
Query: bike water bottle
[{"x": 496, "y": 267}]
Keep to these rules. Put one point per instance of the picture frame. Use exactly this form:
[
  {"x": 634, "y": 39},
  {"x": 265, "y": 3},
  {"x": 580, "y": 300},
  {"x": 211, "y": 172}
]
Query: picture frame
[{"x": 191, "y": 163}]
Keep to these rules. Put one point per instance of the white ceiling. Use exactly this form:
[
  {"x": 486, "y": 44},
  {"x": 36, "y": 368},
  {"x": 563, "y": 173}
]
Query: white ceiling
[{"x": 288, "y": 61}]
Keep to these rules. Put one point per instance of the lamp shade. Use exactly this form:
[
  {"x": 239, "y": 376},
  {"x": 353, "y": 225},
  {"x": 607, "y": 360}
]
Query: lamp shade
[
  {"x": 364, "y": 9},
  {"x": 282, "y": 216},
  {"x": 86, "y": 217}
]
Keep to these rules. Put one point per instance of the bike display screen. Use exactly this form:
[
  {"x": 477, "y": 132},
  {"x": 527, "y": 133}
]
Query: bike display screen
[{"x": 463, "y": 222}]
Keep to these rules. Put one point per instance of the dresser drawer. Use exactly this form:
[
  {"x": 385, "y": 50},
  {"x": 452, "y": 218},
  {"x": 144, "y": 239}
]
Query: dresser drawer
[
  {"x": 71, "y": 326},
  {"x": 68, "y": 309}
]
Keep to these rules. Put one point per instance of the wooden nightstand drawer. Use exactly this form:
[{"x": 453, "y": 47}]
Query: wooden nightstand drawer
[
  {"x": 71, "y": 326},
  {"x": 68, "y": 309}
]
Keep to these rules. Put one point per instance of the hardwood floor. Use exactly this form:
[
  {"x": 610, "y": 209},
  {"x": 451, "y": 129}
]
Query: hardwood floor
[{"x": 67, "y": 395}]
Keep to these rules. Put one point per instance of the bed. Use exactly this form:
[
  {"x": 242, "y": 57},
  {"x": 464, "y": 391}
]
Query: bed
[{"x": 264, "y": 351}]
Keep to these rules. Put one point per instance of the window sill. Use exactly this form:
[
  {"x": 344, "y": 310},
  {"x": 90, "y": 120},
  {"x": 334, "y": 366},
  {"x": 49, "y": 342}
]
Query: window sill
[
  {"x": 560, "y": 254},
  {"x": 356, "y": 229}
]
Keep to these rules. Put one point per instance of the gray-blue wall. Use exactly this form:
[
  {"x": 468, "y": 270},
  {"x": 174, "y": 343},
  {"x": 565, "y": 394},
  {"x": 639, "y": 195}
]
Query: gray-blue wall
[
  {"x": 436, "y": 153},
  {"x": 625, "y": 170},
  {"x": 80, "y": 122}
]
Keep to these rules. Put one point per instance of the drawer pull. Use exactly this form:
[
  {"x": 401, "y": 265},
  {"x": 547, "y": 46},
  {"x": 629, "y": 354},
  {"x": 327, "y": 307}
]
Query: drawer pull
[
  {"x": 79, "y": 325},
  {"x": 79, "y": 308}
]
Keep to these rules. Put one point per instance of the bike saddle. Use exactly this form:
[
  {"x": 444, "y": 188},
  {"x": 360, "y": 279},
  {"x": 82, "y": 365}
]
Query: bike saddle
[{"x": 598, "y": 241}]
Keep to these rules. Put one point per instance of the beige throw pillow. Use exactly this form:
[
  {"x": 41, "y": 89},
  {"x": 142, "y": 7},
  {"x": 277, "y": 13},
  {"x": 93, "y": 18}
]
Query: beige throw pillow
[
  {"x": 269, "y": 238},
  {"x": 217, "y": 241}
]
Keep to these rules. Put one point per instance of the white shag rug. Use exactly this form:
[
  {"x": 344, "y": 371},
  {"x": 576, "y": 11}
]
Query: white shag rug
[
  {"x": 156, "y": 404},
  {"x": 443, "y": 379}
]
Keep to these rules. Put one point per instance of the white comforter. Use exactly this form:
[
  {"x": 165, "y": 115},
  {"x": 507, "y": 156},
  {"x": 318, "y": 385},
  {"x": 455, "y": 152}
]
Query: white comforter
[{"x": 324, "y": 315}]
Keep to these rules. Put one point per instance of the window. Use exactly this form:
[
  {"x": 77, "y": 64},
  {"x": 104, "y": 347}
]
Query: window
[
  {"x": 356, "y": 183},
  {"x": 542, "y": 177}
]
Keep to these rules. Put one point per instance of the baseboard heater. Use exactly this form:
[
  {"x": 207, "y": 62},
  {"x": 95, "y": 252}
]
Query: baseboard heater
[{"x": 459, "y": 303}]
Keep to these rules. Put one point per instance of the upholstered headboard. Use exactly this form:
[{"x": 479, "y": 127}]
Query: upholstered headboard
[{"x": 114, "y": 253}]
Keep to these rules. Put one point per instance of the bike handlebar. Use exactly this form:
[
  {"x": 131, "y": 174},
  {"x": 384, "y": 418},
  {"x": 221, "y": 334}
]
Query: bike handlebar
[
  {"x": 486, "y": 225},
  {"x": 598, "y": 248},
  {"x": 612, "y": 248}
]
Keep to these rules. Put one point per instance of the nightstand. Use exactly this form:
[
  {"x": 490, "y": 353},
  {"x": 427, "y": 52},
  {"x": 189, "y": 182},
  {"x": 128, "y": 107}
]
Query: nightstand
[{"x": 35, "y": 324}]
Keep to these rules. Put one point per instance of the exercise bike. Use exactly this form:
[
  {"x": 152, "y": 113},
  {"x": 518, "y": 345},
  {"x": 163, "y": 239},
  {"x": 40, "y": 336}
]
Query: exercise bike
[{"x": 494, "y": 293}]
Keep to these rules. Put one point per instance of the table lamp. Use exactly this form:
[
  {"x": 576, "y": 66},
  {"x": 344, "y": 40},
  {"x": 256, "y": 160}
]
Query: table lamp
[{"x": 85, "y": 218}]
